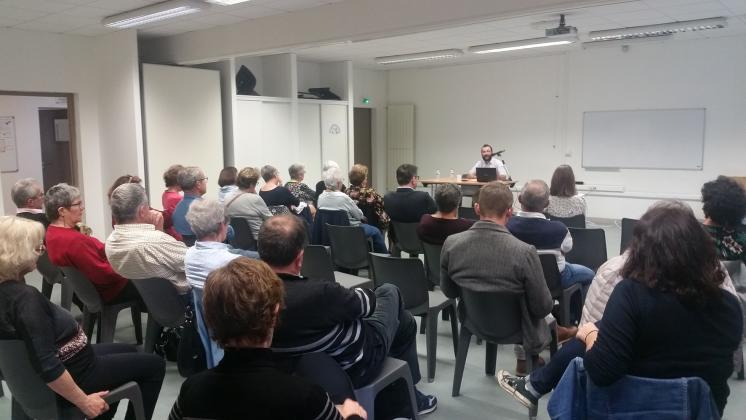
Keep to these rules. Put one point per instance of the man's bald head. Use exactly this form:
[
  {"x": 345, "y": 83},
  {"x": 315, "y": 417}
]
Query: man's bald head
[
  {"x": 534, "y": 196},
  {"x": 281, "y": 239}
]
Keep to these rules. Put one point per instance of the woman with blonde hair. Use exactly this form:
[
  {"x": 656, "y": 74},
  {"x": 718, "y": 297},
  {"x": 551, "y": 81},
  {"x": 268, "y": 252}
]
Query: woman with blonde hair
[{"x": 76, "y": 371}]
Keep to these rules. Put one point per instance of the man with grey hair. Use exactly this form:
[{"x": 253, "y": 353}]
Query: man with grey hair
[
  {"x": 193, "y": 182},
  {"x": 208, "y": 222},
  {"x": 28, "y": 197},
  {"x": 334, "y": 199},
  {"x": 136, "y": 249},
  {"x": 532, "y": 227}
]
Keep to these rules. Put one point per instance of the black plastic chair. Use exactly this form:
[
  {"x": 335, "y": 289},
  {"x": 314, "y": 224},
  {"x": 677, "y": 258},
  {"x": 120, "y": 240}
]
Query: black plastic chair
[
  {"x": 496, "y": 318},
  {"x": 432, "y": 262},
  {"x": 628, "y": 227},
  {"x": 319, "y": 232},
  {"x": 554, "y": 283},
  {"x": 242, "y": 237},
  {"x": 588, "y": 248},
  {"x": 96, "y": 311},
  {"x": 166, "y": 308},
  {"x": 317, "y": 265},
  {"x": 571, "y": 222},
  {"x": 188, "y": 240},
  {"x": 33, "y": 399},
  {"x": 468, "y": 213},
  {"x": 350, "y": 247},
  {"x": 406, "y": 238},
  {"x": 52, "y": 275},
  {"x": 408, "y": 274}
]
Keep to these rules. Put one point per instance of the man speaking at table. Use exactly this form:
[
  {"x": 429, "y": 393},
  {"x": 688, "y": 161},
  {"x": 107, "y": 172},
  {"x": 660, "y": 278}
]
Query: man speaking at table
[{"x": 489, "y": 160}]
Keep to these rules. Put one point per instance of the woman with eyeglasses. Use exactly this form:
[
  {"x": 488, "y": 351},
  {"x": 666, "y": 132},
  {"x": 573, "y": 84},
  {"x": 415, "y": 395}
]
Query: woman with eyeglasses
[
  {"x": 78, "y": 372},
  {"x": 67, "y": 247}
]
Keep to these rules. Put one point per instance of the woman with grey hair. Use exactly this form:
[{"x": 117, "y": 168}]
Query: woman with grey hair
[
  {"x": 274, "y": 194},
  {"x": 296, "y": 186},
  {"x": 67, "y": 247},
  {"x": 334, "y": 199},
  {"x": 320, "y": 186},
  {"x": 435, "y": 228}
]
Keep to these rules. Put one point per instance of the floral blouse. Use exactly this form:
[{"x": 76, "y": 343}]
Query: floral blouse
[
  {"x": 730, "y": 243},
  {"x": 301, "y": 191},
  {"x": 370, "y": 199},
  {"x": 566, "y": 206}
]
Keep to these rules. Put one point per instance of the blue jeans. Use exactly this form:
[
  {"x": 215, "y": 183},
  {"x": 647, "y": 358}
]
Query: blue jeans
[
  {"x": 372, "y": 232},
  {"x": 576, "y": 273},
  {"x": 546, "y": 378}
]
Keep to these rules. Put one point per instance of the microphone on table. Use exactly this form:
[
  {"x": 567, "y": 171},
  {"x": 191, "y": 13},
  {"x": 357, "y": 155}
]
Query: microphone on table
[{"x": 499, "y": 153}]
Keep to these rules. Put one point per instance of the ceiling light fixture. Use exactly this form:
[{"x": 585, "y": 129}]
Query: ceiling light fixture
[
  {"x": 561, "y": 35},
  {"x": 664, "y": 29},
  {"x": 423, "y": 56},
  {"x": 227, "y": 2},
  {"x": 153, "y": 13}
]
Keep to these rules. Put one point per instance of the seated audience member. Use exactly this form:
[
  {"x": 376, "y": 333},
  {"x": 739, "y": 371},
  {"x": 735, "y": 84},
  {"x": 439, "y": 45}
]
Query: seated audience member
[
  {"x": 246, "y": 203},
  {"x": 407, "y": 205},
  {"x": 320, "y": 186},
  {"x": 67, "y": 247},
  {"x": 171, "y": 198},
  {"x": 435, "y": 228},
  {"x": 488, "y": 258},
  {"x": 227, "y": 183},
  {"x": 242, "y": 303},
  {"x": 76, "y": 371},
  {"x": 300, "y": 190},
  {"x": 274, "y": 194},
  {"x": 366, "y": 198},
  {"x": 724, "y": 206},
  {"x": 333, "y": 199},
  {"x": 124, "y": 179},
  {"x": 668, "y": 318},
  {"x": 564, "y": 200},
  {"x": 28, "y": 196},
  {"x": 193, "y": 182},
  {"x": 135, "y": 249},
  {"x": 359, "y": 328},
  {"x": 531, "y": 226}
]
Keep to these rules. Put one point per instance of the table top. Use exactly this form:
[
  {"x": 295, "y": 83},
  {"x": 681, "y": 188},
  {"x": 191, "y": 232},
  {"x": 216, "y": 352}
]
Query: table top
[{"x": 438, "y": 181}]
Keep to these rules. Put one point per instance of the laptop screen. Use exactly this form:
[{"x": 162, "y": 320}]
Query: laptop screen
[{"x": 486, "y": 174}]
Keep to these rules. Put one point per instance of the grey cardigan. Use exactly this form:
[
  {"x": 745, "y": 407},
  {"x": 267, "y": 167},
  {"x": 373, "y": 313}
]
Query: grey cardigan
[{"x": 488, "y": 258}]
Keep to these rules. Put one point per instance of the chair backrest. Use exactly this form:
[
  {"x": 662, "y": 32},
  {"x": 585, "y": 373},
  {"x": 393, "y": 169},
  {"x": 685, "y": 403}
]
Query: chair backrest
[
  {"x": 49, "y": 271},
  {"x": 242, "y": 238},
  {"x": 737, "y": 273},
  {"x": 628, "y": 226},
  {"x": 84, "y": 289},
  {"x": 164, "y": 303},
  {"x": 321, "y": 369},
  {"x": 349, "y": 246},
  {"x": 588, "y": 247},
  {"x": 551, "y": 271},
  {"x": 571, "y": 222},
  {"x": 317, "y": 263},
  {"x": 319, "y": 232},
  {"x": 188, "y": 240},
  {"x": 406, "y": 237},
  {"x": 408, "y": 274},
  {"x": 26, "y": 386},
  {"x": 468, "y": 213},
  {"x": 493, "y": 316},
  {"x": 432, "y": 262}
]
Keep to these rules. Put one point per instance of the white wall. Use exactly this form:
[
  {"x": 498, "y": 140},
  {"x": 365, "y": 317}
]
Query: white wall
[
  {"x": 372, "y": 84},
  {"x": 533, "y": 107},
  {"x": 43, "y": 62},
  {"x": 25, "y": 109}
]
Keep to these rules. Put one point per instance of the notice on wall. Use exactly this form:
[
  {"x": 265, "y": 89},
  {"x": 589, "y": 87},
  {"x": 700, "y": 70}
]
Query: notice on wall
[{"x": 8, "y": 149}]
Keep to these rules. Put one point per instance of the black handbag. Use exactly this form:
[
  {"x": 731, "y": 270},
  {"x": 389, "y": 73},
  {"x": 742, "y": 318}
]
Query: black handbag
[{"x": 183, "y": 345}]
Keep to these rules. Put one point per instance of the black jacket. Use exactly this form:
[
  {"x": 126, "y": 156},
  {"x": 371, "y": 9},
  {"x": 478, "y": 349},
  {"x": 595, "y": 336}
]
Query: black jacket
[{"x": 407, "y": 205}]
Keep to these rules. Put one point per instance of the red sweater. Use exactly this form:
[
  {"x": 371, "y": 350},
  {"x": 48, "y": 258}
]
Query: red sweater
[
  {"x": 70, "y": 248},
  {"x": 170, "y": 199}
]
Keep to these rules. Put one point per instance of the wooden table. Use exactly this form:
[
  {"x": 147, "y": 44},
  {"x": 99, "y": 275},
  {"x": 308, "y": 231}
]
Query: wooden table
[{"x": 469, "y": 186}]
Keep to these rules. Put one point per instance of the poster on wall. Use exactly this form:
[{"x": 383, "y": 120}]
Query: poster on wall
[{"x": 8, "y": 149}]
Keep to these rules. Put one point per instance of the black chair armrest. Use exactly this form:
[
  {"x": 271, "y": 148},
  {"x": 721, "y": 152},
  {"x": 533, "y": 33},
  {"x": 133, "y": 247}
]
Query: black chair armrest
[{"x": 129, "y": 391}]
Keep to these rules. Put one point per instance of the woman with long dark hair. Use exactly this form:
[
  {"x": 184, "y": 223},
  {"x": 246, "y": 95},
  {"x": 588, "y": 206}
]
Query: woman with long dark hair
[{"x": 668, "y": 318}]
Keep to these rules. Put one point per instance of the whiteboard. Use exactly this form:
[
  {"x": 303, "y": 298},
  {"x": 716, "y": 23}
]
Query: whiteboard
[
  {"x": 649, "y": 139},
  {"x": 8, "y": 147}
]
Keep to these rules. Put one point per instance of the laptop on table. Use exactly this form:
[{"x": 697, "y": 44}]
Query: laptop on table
[{"x": 486, "y": 174}]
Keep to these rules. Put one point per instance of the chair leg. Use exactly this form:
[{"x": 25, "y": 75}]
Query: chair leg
[
  {"x": 423, "y": 324},
  {"x": 454, "y": 327},
  {"x": 66, "y": 295},
  {"x": 152, "y": 332},
  {"x": 740, "y": 375},
  {"x": 89, "y": 320},
  {"x": 46, "y": 288},
  {"x": 490, "y": 359},
  {"x": 463, "y": 349},
  {"x": 108, "y": 325},
  {"x": 16, "y": 411},
  {"x": 137, "y": 323},
  {"x": 431, "y": 337}
]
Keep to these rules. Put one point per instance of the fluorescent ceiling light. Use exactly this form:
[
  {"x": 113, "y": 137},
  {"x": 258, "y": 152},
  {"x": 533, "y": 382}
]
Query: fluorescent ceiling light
[
  {"x": 153, "y": 13},
  {"x": 622, "y": 42},
  {"x": 423, "y": 56},
  {"x": 663, "y": 29},
  {"x": 523, "y": 44},
  {"x": 227, "y": 2}
]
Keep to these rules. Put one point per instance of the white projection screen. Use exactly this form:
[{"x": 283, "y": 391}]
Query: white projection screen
[{"x": 644, "y": 139}]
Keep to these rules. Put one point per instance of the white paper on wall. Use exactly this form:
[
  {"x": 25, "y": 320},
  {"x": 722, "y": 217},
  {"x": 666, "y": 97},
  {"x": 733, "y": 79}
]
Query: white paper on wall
[{"x": 8, "y": 149}]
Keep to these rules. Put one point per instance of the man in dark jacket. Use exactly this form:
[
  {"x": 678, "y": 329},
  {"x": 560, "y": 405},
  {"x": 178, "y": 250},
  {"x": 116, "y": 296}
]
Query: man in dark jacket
[{"x": 406, "y": 204}]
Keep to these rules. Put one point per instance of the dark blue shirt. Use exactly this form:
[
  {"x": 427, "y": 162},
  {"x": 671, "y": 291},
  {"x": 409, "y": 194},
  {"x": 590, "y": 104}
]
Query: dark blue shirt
[{"x": 179, "y": 217}]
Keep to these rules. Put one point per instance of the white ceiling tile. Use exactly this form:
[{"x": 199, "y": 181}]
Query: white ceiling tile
[
  {"x": 702, "y": 9},
  {"x": 253, "y": 12},
  {"x": 4, "y": 22},
  {"x": 735, "y": 6},
  {"x": 88, "y": 11},
  {"x": 46, "y": 26},
  {"x": 122, "y": 5},
  {"x": 668, "y": 3},
  {"x": 20, "y": 14},
  {"x": 219, "y": 19},
  {"x": 91, "y": 30},
  {"x": 46, "y": 6},
  {"x": 626, "y": 7},
  {"x": 76, "y": 2},
  {"x": 74, "y": 21},
  {"x": 639, "y": 18}
]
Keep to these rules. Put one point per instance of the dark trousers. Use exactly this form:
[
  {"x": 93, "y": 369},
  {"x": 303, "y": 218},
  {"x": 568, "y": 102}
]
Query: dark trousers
[
  {"x": 395, "y": 335},
  {"x": 116, "y": 364},
  {"x": 545, "y": 378}
]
